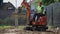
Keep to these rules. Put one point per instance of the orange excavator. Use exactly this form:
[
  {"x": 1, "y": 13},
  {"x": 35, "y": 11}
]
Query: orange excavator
[{"x": 40, "y": 24}]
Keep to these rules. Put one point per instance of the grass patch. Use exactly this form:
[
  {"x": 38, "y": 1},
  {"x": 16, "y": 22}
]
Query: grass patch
[
  {"x": 21, "y": 27},
  {"x": 7, "y": 27},
  {"x": 3, "y": 27}
]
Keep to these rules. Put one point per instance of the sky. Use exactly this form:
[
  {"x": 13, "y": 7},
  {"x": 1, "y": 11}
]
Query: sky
[{"x": 14, "y": 2}]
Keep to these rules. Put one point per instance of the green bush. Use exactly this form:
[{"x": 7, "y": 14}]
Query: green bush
[{"x": 1, "y": 22}]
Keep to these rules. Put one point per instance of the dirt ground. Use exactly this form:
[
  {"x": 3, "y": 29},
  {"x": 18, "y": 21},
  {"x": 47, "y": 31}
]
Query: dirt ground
[{"x": 21, "y": 31}]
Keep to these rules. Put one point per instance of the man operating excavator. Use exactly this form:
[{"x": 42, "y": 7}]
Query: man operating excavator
[{"x": 40, "y": 11}]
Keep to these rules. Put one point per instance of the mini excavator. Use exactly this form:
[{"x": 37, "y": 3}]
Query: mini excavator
[{"x": 39, "y": 25}]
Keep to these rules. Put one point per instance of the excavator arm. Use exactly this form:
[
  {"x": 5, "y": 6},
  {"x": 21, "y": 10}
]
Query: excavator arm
[{"x": 27, "y": 6}]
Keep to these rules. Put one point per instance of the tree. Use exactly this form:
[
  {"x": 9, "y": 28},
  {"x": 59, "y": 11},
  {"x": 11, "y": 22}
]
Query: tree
[
  {"x": 1, "y": 2},
  {"x": 47, "y": 2},
  {"x": 36, "y": 2}
]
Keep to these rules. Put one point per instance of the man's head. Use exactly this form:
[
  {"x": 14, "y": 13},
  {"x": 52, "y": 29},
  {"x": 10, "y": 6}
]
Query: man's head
[{"x": 40, "y": 3}]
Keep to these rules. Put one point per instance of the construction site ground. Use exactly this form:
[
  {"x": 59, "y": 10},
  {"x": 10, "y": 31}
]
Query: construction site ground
[{"x": 21, "y": 30}]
